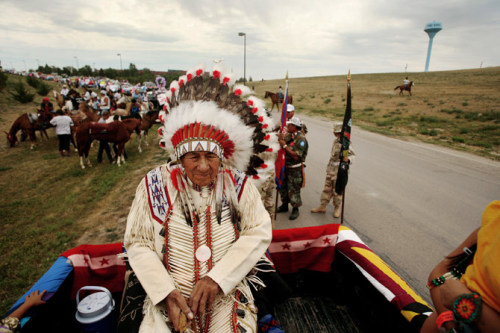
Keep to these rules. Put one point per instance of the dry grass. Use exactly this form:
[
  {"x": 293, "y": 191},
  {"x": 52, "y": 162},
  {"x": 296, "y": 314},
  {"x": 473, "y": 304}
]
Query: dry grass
[
  {"x": 458, "y": 109},
  {"x": 50, "y": 205}
]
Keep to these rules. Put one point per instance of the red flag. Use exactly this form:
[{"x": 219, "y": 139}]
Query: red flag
[{"x": 279, "y": 165}]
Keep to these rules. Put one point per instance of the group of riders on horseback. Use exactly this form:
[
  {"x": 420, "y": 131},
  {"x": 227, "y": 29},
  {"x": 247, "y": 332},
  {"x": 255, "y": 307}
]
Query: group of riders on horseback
[{"x": 82, "y": 110}]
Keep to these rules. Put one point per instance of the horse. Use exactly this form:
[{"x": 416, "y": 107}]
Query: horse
[
  {"x": 84, "y": 114},
  {"x": 115, "y": 132},
  {"x": 121, "y": 110},
  {"x": 27, "y": 124},
  {"x": 43, "y": 122},
  {"x": 134, "y": 125},
  {"x": 59, "y": 99},
  {"x": 276, "y": 100},
  {"x": 402, "y": 88},
  {"x": 148, "y": 120}
]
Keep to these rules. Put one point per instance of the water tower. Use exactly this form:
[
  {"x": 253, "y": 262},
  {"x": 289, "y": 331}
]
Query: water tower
[{"x": 432, "y": 29}]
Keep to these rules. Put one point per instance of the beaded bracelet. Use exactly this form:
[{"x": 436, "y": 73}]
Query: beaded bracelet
[
  {"x": 467, "y": 307},
  {"x": 443, "y": 318},
  {"x": 442, "y": 279}
]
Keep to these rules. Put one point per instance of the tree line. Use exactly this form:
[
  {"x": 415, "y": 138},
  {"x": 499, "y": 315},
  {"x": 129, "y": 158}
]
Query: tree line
[{"x": 132, "y": 73}]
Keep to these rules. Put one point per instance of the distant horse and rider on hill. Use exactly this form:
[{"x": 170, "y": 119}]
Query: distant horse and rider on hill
[
  {"x": 404, "y": 87},
  {"x": 276, "y": 100}
]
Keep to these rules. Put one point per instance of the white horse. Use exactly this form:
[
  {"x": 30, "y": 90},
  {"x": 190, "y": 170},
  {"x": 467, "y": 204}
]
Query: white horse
[{"x": 123, "y": 99}]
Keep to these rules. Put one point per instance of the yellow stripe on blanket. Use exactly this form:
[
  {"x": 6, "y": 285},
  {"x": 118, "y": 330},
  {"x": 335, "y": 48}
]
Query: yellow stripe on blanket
[{"x": 377, "y": 261}]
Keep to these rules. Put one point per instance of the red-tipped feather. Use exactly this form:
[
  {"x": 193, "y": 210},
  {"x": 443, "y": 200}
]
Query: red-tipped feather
[{"x": 173, "y": 177}]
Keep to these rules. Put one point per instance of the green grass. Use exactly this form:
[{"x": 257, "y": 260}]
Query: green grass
[{"x": 41, "y": 214}]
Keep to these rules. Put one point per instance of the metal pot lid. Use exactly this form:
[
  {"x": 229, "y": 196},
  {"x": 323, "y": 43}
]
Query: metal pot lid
[{"x": 95, "y": 307}]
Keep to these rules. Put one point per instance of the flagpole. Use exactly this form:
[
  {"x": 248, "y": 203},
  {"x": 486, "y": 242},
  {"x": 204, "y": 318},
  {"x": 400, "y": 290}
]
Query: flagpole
[
  {"x": 343, "y": 192},
  {"x": 281, "y": 153}
]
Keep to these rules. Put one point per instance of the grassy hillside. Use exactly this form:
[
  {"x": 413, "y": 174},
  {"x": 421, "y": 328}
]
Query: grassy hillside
[
  {"x": 50, "y": 205},
  {"x": 458, "y": 109}
]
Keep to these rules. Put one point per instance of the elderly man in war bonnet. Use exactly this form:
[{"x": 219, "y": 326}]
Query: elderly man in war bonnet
[{"x": 197, "y": 230}]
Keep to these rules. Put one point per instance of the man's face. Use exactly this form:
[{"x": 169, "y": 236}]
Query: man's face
[
  {"x": 289, "y": 115},
  {"x": 201, "y": 167},
  {"x": 291, "y": 128}
]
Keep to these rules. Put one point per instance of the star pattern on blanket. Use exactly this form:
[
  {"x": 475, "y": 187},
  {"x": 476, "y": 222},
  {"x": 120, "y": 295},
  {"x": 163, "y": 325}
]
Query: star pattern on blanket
[
  {"x": 307, "y": 244},
  {"x": 104, "y": 261},
  {"x": 286, "y": 246},
  {"x": 326, "y": 240}
]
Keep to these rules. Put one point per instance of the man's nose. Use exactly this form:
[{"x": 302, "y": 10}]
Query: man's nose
[{"x": 204, "y": 165}]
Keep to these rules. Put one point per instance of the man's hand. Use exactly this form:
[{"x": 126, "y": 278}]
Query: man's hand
[
  {"x": 176, "y": 304},
  {"x": 203, "y": 295}
]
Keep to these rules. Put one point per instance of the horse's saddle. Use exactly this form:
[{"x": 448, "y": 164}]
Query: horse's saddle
[
  {"x": 33, "y": 117},
  {"x": 103, "y": 128}
]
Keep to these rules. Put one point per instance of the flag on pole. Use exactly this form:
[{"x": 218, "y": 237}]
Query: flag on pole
[
  {"x": 280, "y": 160},
  {"x": 345, "y": 140}
]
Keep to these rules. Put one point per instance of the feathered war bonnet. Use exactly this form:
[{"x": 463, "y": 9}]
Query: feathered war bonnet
[
  {"x": 210, "y": 115},
  {"x": 206, "y": 113}
]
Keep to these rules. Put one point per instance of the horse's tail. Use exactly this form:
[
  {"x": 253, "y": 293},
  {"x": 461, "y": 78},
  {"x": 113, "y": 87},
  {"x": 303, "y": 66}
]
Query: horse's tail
[{"x": 397, "y": 87}]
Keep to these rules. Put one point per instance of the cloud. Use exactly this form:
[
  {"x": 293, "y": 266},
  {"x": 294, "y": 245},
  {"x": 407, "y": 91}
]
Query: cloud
[{"x": 318, "y": 37}]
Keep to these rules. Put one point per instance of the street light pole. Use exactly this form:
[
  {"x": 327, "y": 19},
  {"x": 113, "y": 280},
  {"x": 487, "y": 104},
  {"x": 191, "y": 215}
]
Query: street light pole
[
  {"x": 121, "y": 67},
  {"x": 76, "y": 59},
  {"x": 244, "y": 56}
]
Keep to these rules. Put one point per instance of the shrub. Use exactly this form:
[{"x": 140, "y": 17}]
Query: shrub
[
  {"x": 3, "y": 80},
  {"x": 458, "y": 139},
  {"x": 465, "y": 104},
  {"x": 43, "y": 89},
  {"x": 490, "y": 128},
  {"x": 370, "y": 108},
  {"x": 433, "y": 132},
  {"x": 384, "y": 123},
  {"x": 429, "y": 119},
  {"x": 33, "y": 81},
  {"x": 464, "y": 130},
  {"x": 328, "y": 100},
  {"x": 21, "y": 94},
  {"x": 424, "y": 131},
  {"x": 402, "y": 104},
  {"x": 481, "y": 144}
]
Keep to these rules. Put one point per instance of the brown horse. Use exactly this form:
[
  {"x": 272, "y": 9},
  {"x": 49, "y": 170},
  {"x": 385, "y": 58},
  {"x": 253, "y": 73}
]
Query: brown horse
[
  {"x": 43, "y": 122},
  {"x": 59, "y": 99},
  {"x": 27, "y": 124},
  {"x": 148, "y": 120},
  {"x": 134, "y": 125},
  {"x": 275, "y": 99},
  {"x": 115, "y": 132},
  {"x": 402, "y": 88},
  {"x": 84, "y": 114}
]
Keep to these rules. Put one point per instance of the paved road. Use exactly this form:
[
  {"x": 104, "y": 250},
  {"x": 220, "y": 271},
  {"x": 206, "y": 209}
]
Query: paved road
[{"x": 412, "y": 203}]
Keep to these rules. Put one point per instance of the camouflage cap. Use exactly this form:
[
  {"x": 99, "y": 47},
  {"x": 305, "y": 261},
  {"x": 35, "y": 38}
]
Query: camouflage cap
[{"x": 337, "y": 127}]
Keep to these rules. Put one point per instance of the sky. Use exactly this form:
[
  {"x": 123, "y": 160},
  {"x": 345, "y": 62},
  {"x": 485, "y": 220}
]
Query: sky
[{"x": 303, "y": 38}]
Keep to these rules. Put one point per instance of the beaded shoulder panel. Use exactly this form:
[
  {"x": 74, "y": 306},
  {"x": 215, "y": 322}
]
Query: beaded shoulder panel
[{"x": 158, "y": 198}]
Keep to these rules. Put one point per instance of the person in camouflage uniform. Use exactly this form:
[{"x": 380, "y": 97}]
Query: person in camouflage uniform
[
  {"x": 331, "y": 174},
  {"x": 296, "y": 146}
]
